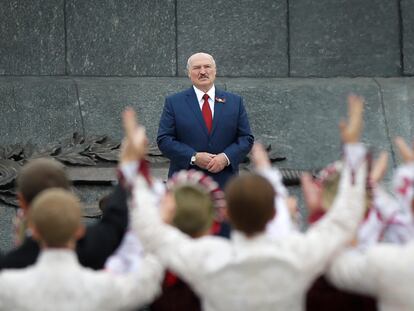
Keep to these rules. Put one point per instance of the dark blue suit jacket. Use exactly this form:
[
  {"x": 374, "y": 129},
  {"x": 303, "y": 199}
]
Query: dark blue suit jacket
[{"x": 182, "y": 132}]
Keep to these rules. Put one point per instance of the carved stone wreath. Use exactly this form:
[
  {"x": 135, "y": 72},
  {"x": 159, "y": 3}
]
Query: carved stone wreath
[{"x": 91, "y": 160}]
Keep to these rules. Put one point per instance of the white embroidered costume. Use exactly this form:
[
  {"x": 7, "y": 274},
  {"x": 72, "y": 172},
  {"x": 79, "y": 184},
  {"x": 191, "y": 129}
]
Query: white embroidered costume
[{"x": 384, "y": 270}]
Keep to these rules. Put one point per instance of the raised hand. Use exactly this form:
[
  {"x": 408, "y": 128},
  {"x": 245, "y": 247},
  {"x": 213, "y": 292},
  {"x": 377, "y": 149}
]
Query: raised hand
[
  {"x": 259, "y": 157},
  {"x": 134, "y": 145},
  {"x": 292, "y": 205},
  {"x": 168, "y": 208},
  {"x": 351, "y": 129},
  {"x": 405, "y": 151},
  {"x": 312, "y": 193},
  {"x": 379, "y": 168}
]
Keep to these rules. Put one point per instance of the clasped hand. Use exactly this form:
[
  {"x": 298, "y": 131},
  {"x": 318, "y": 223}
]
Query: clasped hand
[{"x": 214, "y": 163}]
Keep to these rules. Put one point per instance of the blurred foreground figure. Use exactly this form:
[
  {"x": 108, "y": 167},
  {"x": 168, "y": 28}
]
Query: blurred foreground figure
[
  {"x": 57, "y": 281},
  {"x": 100, "y": 239},
  {"x": 385, "y": 270}
]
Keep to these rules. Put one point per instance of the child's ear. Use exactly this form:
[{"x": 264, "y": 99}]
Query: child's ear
[
  {"x": 35, "y": 233},
  {"x": 22, "y": 203},
  {"x": 80, "y": 232}
]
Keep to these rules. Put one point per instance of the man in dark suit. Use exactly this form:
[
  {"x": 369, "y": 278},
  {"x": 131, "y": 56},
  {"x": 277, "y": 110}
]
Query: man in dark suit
[
  {"x": 204, "y": 128},
  {"x": 100, "y": 239}
]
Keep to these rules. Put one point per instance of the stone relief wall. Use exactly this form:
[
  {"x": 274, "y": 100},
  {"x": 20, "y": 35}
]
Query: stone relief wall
[{"x": 73, "y": 65}]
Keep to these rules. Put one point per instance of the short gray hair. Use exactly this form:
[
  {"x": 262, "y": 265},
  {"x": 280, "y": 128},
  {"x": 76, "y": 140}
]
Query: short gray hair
[{"x": 188, "y": 60}]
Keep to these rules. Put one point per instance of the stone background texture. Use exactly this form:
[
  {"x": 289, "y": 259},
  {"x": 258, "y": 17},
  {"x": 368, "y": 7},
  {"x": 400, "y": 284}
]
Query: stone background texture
[{"x": 73, "y": 65}]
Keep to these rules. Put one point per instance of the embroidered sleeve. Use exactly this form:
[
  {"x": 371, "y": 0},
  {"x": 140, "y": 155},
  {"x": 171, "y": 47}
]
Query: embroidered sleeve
[{"x": 283, "y": 222}]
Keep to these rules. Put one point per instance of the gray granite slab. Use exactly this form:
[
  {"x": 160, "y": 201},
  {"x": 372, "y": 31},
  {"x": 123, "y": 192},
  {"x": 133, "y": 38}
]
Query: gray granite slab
[
  {"x": 247, "y": 38},
  {"x": 40, "y": 110},
  {"x": 398, "y": 98},
  {"x": 300, "y": 116},
  {"x": 7, "y": 215},
  {"x": 344, "y": 38},
  {"x": 121, "y": 38},
  {"x": 103, "y": 100},
  {"x": 32, "y": 40},
  {"x": 90, "y": 195},
  {"x": 407, "y": 9}
]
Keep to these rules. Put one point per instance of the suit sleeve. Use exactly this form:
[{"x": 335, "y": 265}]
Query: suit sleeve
[
  {"x": 22, "y": 256},
  {"x": 102, "y": 239},
  {"x": 238, "y": 150},
  {"x": 173, "y": 149}
]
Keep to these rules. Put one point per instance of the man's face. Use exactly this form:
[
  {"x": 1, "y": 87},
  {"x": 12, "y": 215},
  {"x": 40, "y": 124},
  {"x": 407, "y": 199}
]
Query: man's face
[{"x": 202, "y": 71}]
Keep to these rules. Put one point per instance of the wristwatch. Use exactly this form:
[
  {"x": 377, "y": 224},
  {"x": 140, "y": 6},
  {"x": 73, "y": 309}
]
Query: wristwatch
[{"x": 193, "y": 159}]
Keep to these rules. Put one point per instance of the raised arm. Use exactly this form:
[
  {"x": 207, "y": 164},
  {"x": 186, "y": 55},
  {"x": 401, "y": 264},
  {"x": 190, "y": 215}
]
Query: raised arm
[
  {"x": 355, "y": 271},
  {"x": 175, "y": 249},
  {"x": 135, "y": 288},
  {"x": 339, "y": 225},
  {"x": 283, "y": 223},
  {"x": 104, "y": 237}
]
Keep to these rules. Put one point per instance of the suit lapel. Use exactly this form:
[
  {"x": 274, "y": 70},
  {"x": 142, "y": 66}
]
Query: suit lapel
[
  {"x": 218, "y": 110},
  {"x": 194, "y": 106}
]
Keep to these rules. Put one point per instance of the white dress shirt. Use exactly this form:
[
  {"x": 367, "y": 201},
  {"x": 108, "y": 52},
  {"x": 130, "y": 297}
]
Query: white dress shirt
[
  {"x": 58, "y": 282},
  {"x": 211, "y": 94},
  {"x": 258, "y": 273}
]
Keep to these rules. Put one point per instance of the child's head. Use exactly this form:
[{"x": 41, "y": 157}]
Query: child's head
[
  {"x": 198, "y": 202},
  {"x": 250, "y": 203},
  {"x": 55, "y": 218},
  {"x": 38, "y": 175},
  {"x": 194, "y": 210}
]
